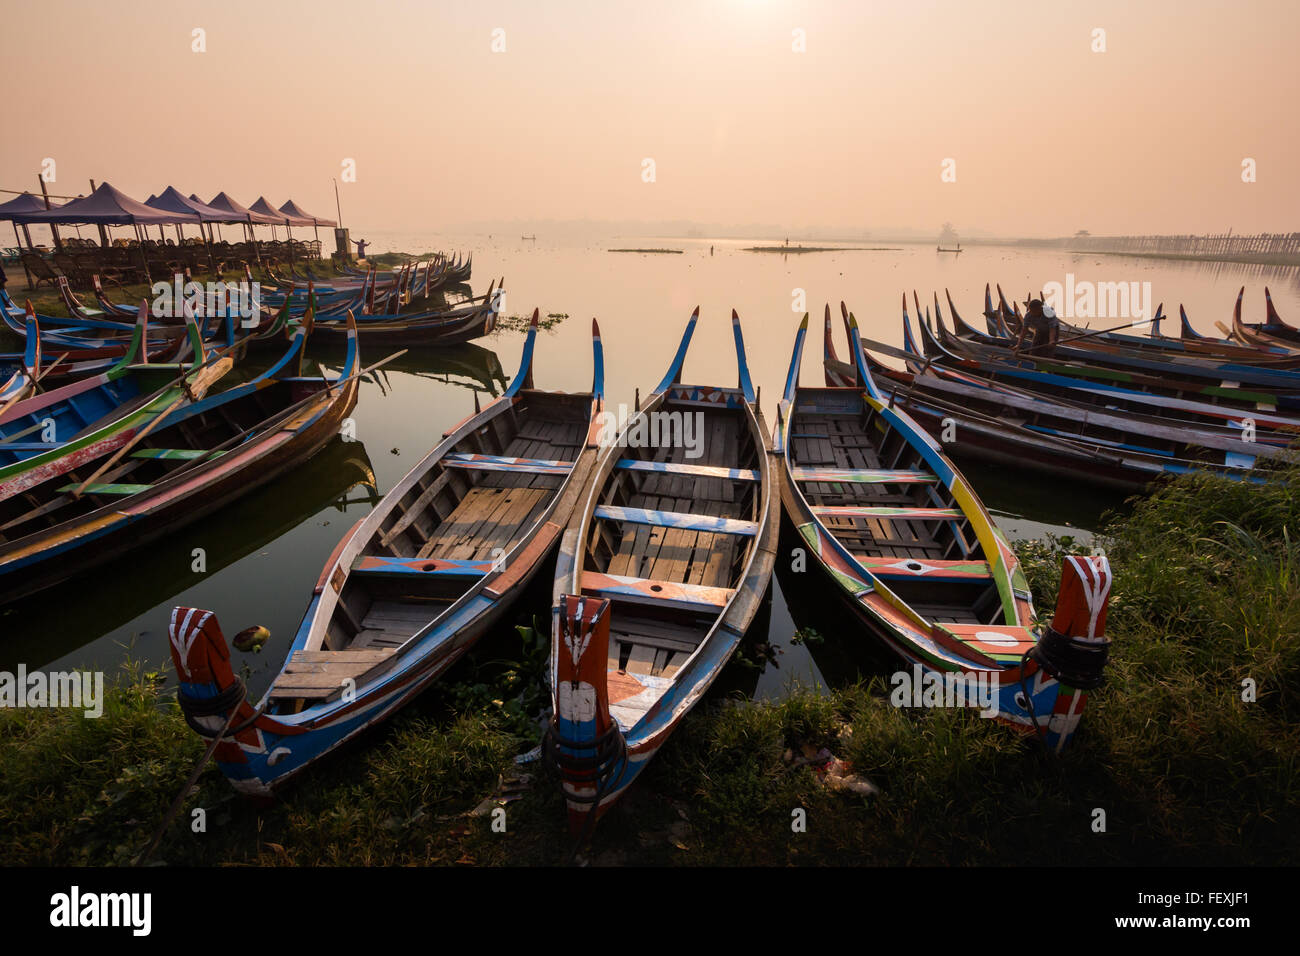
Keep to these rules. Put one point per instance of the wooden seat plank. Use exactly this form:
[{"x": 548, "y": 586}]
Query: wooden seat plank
[
  {"x": 683, "y": 468},
  {"x": 677, "y": 519}
]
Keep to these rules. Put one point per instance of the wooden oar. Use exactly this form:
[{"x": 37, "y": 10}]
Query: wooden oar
[
  {"x": 206, "y": 376},
  {"x": 36, "y": 381},
  {"x": 179, "y": 801},
  {"x": 26, "y": 431},
  {"x": 1118, "y": 328},
  {"x": 288, "y": 412}
]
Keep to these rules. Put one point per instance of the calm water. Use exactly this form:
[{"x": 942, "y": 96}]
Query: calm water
[{"x": 265, "y": 552}]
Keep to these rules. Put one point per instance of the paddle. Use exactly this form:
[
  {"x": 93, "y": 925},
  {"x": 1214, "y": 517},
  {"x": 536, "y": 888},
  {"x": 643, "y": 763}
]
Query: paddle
[
  {"x": 1118, "y": 328},
  {"x": 193, "y": 779},
  {"x": 36, "y": 381},
  {"x": 234, "y": 439},
  {"x": 206, "y": 376}
]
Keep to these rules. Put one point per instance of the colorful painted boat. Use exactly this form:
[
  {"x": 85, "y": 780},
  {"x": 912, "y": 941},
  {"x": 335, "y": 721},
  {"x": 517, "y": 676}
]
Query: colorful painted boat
[
  {"x": 1155, "y": 344},
  {"x": 199, "y": 457},
  {"x": 1168, "y": 396},
  {"x": 56, "y": 432},
  {"x": 78, "y": 351},
  {"x": 23, "y": 382},
  {"x": 1094, "y": 360},
  {"x": 1078, "y": 440},
  {"x": 410, "y": 589},
  {"x": 1274, "y": 332},
  {"x": 915, "y": 557},
  {"x": 445, "y": 327},
  {"x": 660, "y": 573}
]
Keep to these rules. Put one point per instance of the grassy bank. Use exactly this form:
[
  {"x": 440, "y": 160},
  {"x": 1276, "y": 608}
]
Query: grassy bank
[{"x": 1206, "y": 596}]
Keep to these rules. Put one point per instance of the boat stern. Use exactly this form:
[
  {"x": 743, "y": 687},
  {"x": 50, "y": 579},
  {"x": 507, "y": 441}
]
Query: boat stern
[
  {"x": 216, "y": 706},
  {"x": 584, "y": 742}
]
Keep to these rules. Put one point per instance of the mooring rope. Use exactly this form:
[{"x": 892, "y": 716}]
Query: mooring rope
[{"x": 198, "y": 769}]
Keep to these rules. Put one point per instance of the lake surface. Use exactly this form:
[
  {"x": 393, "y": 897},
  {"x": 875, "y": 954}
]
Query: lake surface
[{"x": 265, "y": 552}]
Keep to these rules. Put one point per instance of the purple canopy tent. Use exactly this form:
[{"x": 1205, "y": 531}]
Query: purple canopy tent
[
  {"x": 109, "y": 206},
  {"x": 273, "y": 215},
  {"x": 248, "y": 217},
  {"x": 300, "y": 217},
  {"x": 281, "y": 217},
  {"x": 171, "y": 200},
  {"x": 21, "y": 206}
]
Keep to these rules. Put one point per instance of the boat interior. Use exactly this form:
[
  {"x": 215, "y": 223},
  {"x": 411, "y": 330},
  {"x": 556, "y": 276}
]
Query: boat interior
[
  {"x": 465, "y": 512},
  {"x": 670, "y": 539},
  {"x": 875, "y": 493}
]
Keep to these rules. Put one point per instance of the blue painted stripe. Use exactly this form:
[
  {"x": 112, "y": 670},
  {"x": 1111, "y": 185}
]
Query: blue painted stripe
[{"x": 678, "y": 519}]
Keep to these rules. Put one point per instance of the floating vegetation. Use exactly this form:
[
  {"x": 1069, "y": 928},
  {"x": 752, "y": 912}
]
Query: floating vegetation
[
  {"x": 519, "y": 323},
  {"x": 651, "y": 251},
  {"x": 798, "y": 249}
]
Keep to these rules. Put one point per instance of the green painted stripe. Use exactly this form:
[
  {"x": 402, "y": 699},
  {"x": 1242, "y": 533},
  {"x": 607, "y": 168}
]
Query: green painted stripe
[
  {"x": 174, "y": 454},
  {"x": 108, "y": 489}
]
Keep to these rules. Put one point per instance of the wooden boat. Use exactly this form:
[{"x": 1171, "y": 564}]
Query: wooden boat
[
  {"x": 915, "y": 557},
  {"x": 75, "y": 351},
  {"x": 447, "y": 327},
  {"x": 61, "y": 430},
  {"x": 1274, "y": 332},
  {"x": 195, "y": 459},
  {"x": 1171, "y": 397},
  {"x": 1098, "y": 360},
  {"x": 23, "y": 382},
  {"x": 660, "y": 573},
  {"x": 1154, "y": 345},
  {"x": 1088, "y": 440},
  {"x": 409, "y": 589},
  {"x": 1143, "y": 407}
]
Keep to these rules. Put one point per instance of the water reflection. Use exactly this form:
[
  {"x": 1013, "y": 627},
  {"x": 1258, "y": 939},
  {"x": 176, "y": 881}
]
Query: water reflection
[
  {"x": 465, "y": 365},
  {"x": 59, "y": 621}
]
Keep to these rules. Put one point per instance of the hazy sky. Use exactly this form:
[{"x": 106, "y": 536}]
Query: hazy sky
[{"x": 1047, "y": 136}]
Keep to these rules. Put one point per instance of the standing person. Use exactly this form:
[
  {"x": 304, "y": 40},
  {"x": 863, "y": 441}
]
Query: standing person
[
  {"x": 1041, "y": 321},
  {"x": 710, "y": 250},
  {"x": 361, "y": 247}
]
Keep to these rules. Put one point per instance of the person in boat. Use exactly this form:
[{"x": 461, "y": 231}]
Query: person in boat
[{"x": 1041, "y": 322}]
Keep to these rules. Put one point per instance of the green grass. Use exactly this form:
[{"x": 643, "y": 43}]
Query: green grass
[{"x": 1187, "y": 772}]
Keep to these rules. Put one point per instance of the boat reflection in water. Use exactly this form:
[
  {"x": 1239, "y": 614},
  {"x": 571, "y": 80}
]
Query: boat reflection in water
[
  {"x": 78, "y": 613},
  {"x": 466, "y": 365}
]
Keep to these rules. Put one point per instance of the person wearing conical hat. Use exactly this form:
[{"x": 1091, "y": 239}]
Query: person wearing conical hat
[{"x": 1041, "y": 322}]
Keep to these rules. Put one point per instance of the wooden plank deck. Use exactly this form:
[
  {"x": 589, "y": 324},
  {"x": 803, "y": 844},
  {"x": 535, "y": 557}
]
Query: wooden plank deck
[
  {"x": 884, "y": 505},
  {"x": 323, "y": 675}
]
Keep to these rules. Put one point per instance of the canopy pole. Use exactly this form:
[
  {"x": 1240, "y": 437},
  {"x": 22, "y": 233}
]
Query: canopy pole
[
  {"x": 20, "y": 248},
  {"x": 207, "y": 241},
  {"x": 103, "y": 232},
  {"x": 54, "y": 230},
  {"x": 143, "y": 256}
]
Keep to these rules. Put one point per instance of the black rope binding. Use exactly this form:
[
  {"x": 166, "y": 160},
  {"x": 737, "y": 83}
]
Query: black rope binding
[
  {"x": 598, "y": 759},
  {"x": 1072, "y": 660},
  {"x": 1069, "y": 660},
  {"x": 226, "y": 701}
]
